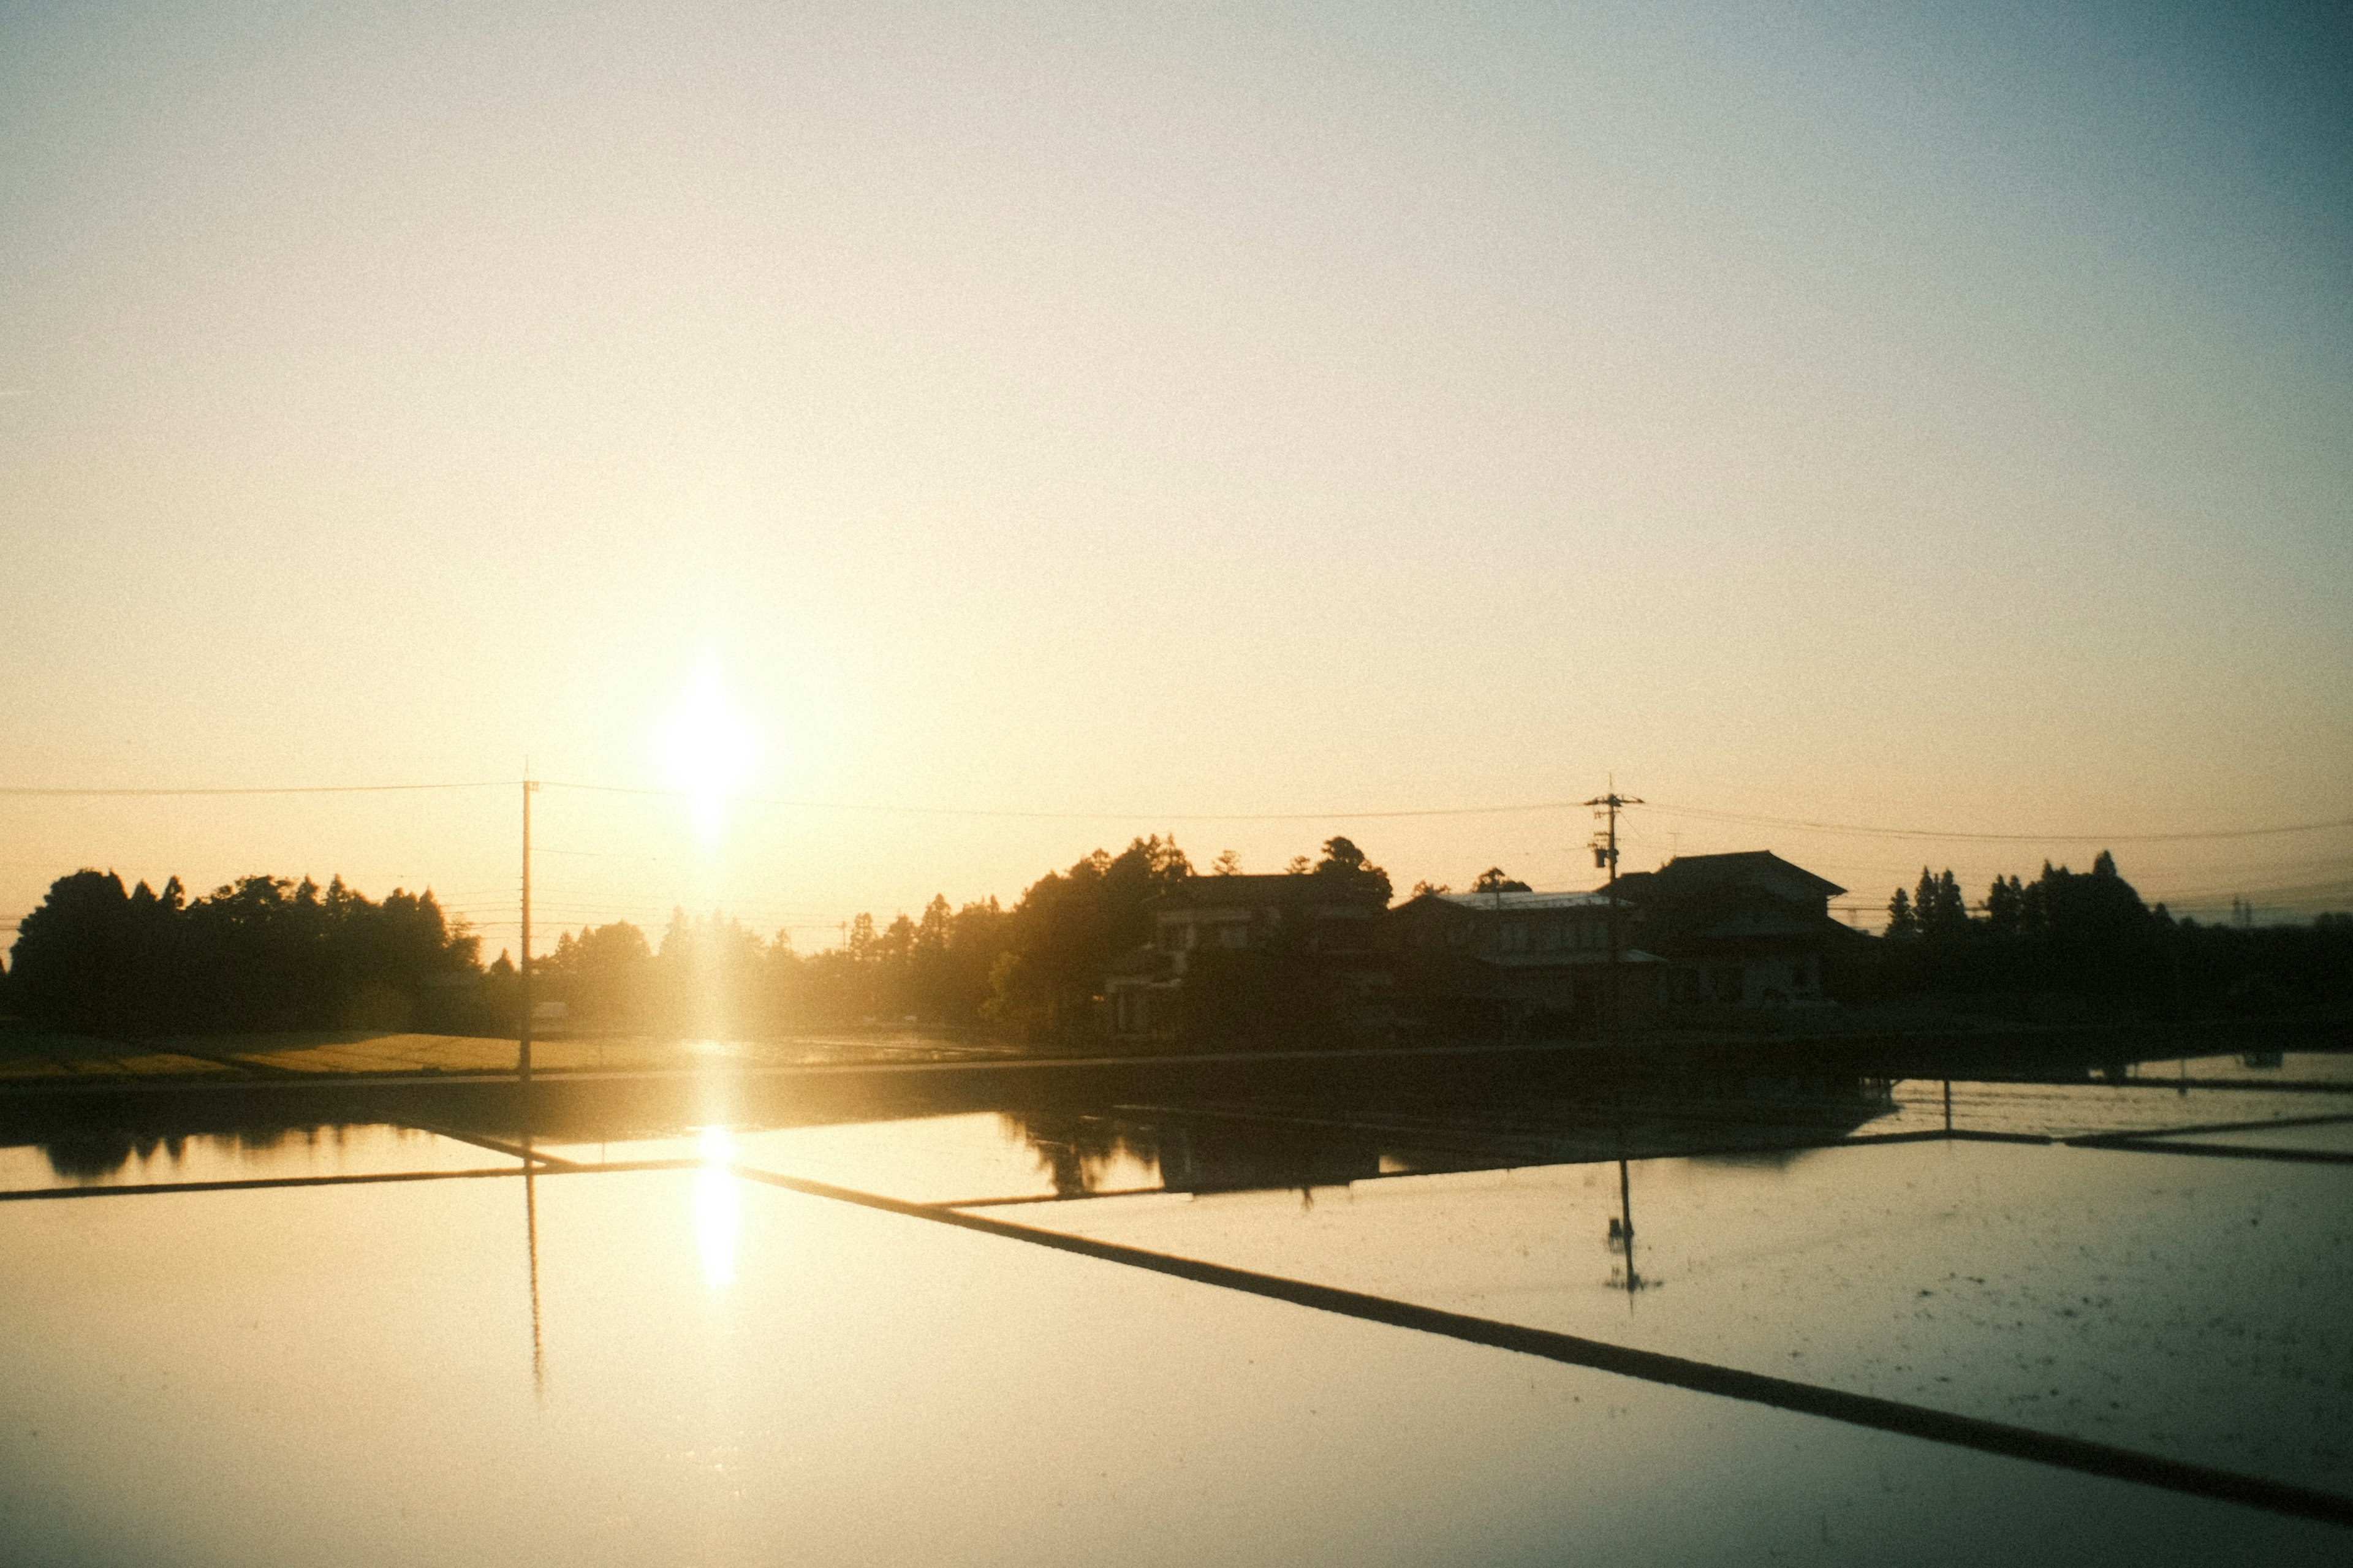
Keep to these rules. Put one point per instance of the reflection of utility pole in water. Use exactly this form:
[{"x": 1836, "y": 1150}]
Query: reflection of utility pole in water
[
  {"x": 1622, "y": 1230},
  {"x": 522, "y": 1076},
  {"x": 531, "y": 1244}
]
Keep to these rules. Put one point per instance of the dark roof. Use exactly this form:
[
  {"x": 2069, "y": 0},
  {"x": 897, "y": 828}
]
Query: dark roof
[
  {"x": 1585, "y": 960},
  {"x": 1696, "y": 873},
  {"x": 1250, "y": 890}
]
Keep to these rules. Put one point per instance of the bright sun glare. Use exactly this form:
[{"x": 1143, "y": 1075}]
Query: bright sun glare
[
  {"x": 708, "y": 747},
  {"x": 718, "y": 1209}
]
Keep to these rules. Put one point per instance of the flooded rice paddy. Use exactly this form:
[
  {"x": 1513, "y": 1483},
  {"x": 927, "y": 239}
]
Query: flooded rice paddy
[{"x": 690, "y": 1364}]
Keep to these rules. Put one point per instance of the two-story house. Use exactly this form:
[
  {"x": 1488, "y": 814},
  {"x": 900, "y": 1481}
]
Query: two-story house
[
  {"x": 1509, "y": 956},
  {"x": 1326, "y": 919},
  {"x": 1745, "y": 930}
]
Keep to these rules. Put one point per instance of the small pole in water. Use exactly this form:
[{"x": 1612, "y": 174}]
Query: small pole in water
[
  {"x": 1626, "y": 1222},
  {"x": 1948, "y": 1108}
]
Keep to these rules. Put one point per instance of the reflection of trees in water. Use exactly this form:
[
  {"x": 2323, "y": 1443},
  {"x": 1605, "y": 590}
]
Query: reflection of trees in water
[
  {"x": 1225, "y": 1156},
  {"x": 1332, "y": 1135},
  {"x": 1214, "y": 1131},
  {"x": 1732, "y": 1109},
  {"x": 93, "y": 1154},
  {"x": 1077, "y": 1150}
]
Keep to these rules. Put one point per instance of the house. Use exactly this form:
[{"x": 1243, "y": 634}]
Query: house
[
  {"x": 1511, "y": 955},
  {"x": 1223, "y": 922},
  {"x": 1746, "y": 930}
]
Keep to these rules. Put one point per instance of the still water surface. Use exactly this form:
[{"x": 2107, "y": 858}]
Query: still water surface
[
  {"x": 973, "y": 1156},
  {"x": 689, "y": 1366},
  {"x": 366, "y": 1375},
  {"x": 2187, "y": 1307}
]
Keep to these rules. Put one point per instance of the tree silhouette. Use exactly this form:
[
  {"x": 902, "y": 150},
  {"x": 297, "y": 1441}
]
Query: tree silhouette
[
  {"x": 262, "y": 952},
  {"x": 1344, "y": 859}
]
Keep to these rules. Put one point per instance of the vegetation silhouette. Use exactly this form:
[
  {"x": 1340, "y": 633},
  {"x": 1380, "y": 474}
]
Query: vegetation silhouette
[
  {"x": 2089, "y": 934},
  {"x": 269, "y": 953},
  {"x": 266, "y": 953},
  {"x": 262, "y": 952}
]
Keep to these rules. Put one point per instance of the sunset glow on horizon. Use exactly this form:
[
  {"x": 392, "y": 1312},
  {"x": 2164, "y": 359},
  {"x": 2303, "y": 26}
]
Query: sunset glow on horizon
[
  {"x": 1348, "y": 781},
  {"x": 1901, "y": 419}
]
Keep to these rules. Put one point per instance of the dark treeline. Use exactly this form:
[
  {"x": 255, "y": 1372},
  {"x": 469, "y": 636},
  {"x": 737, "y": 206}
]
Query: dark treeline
[
  {"x": 2089, "y": 932},
  {"x": 263, "y": 953},
  {"x": 1034, "y": 971},
  {"x": 269, "y": 954}
]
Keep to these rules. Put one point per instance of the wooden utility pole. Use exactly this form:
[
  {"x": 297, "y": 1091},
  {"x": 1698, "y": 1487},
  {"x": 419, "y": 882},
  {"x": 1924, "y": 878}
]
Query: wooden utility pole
[
  {"x": 1605, "y": 854},
  {"x": 522, "y": 1033}
]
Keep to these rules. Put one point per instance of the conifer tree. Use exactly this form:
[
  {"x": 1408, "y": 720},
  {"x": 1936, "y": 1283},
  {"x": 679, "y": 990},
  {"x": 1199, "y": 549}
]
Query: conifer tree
[{"x": 1952, "y": 913}]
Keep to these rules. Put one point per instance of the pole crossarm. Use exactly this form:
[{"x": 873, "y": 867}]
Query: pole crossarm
[{"x": 1606, "y": 851}]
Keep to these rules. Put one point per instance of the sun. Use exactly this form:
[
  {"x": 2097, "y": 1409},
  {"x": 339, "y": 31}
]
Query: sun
[{"x": 708, "y": 747}]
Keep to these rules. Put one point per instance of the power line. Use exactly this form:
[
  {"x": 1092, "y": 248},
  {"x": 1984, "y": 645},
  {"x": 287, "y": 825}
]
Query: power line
[
  {"x": 2304, "y": 892},
  {"x": 80, "y": 793},
  {"x": 2003, "y": 837},
  {"x": 894, "y": 810},
  {"x": 1518, "y": 808}
]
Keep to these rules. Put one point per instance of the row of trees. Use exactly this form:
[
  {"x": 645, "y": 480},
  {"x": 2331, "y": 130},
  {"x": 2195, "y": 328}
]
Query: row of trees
[
  {"x": 2093, "y": 910},
  {"x": 712, "y": 976},
  {"x": 262, "y": 952},
  {"x": 267, "y": 954},
  {"x": 2091, "y": 932},
  {"x": 1034, "y": 970}
]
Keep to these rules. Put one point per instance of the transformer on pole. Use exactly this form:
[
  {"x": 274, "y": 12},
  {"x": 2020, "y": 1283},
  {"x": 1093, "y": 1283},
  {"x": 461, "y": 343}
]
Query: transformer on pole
[{"x": 1605, "y": 856}]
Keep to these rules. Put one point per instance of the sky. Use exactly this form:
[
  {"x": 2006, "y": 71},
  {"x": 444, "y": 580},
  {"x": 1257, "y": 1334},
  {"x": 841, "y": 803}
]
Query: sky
[{"x": 1172, "y": 419}]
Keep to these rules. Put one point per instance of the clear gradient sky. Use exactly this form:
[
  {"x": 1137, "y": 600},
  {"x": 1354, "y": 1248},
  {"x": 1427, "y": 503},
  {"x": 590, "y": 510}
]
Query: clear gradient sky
[{"x": 1921, "y": 415}]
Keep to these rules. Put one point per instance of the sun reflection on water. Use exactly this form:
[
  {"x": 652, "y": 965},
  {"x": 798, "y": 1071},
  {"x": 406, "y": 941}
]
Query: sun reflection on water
[{"x": 718, "y": 1208}]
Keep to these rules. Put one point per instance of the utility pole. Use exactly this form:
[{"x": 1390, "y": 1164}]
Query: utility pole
[
  {"x": 522, "y": 1033},
  {"x": 1605, "y": 854}
]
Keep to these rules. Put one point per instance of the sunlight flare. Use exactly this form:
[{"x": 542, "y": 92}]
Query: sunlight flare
[{"x": 708, "y": 748}]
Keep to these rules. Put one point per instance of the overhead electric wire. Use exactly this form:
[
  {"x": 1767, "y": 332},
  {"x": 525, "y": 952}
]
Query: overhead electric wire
[
  {"x": 84, "y": 793},
  {"x": 1662, "y": 808},
  {"x": 2296, "y": 893},
  {"x": 889, "y": 809},
  {"x": 2002, "y": 837},
  {"x": 1521, "y": 807}
]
